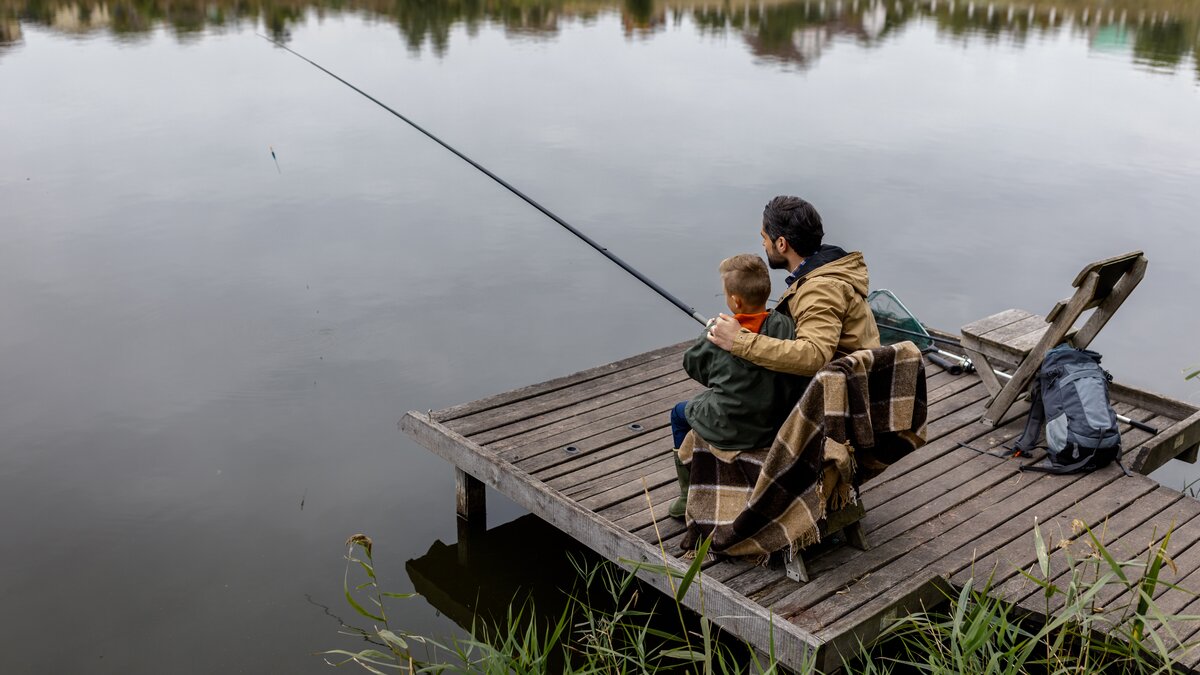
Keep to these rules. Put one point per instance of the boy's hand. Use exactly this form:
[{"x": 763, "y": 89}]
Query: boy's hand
[{"x": 722, "y": 330}]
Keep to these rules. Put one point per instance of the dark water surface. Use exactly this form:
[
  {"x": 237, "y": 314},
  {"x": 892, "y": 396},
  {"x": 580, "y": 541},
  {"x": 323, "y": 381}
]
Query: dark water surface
[{"x": 204, "y": 358}]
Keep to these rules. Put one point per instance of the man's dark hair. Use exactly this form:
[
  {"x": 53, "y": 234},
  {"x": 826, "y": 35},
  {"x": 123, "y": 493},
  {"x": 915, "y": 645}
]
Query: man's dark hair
[{"x": 795, "y": 220}]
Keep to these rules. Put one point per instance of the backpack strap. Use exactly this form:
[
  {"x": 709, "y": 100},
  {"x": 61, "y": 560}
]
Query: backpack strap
[
  {"x": 1045, "y": 466},
  {"x": 1119, "y": 463},
  {"x": 1002, "y": 454},
  {"x": 1024, "y": 445}
]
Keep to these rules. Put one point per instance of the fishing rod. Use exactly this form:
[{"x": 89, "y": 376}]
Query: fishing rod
[
  {"x": 924, "y": 336},
  {"x": 690, "y": 311}
]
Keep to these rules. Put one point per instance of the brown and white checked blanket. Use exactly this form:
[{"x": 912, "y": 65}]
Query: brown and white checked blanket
[{"x": 861, "y": 413}]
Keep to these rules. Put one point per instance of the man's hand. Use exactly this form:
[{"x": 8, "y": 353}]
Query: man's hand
[{"x": 722, "y": 331}]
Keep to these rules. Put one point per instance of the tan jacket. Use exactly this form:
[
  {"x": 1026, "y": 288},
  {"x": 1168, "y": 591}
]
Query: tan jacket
[{"x": 829, "y": 305}]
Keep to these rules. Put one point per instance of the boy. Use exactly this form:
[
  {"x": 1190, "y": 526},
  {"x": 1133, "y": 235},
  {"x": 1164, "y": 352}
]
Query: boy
[{"x": 745, "y": 404}]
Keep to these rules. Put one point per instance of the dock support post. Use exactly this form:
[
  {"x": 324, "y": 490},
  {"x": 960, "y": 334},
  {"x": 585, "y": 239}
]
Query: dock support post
[{"x": 471, "y": 506}]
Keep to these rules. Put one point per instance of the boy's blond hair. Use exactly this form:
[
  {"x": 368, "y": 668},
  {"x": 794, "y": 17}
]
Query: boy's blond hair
[{"x": 745, "y": 275}]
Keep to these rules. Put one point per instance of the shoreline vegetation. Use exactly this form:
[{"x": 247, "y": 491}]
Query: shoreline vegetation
[
  {"x": 1160, "y": 34},
  {"x": 1103, "y": 618}
]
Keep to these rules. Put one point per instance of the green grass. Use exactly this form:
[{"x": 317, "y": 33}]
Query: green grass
[{"x": 1103, "y": 619}]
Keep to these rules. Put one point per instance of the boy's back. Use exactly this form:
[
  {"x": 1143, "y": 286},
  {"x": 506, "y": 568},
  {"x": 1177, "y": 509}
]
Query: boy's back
[{"x": 745, "y": 404}]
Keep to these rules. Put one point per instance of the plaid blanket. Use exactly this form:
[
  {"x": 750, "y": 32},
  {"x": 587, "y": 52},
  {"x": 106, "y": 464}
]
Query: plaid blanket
[{"x": 861, "y": 413}]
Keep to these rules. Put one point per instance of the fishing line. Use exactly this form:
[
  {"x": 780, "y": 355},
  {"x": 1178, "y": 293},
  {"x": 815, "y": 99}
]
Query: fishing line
[{"x": 586, "y": 239}]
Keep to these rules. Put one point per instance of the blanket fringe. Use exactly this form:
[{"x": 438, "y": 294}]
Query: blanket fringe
[
  {"x": 844, "y": 495},
  {"x": 807, "y": 538},
  {"x": 690, "y": 554}
]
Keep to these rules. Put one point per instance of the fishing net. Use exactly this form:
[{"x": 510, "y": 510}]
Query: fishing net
[{"x": 896, "y": 323}]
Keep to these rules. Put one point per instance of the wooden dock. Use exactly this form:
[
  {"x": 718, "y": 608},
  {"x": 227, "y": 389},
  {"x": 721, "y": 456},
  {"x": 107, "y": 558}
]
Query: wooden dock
[{"x": 583, "y": 452}]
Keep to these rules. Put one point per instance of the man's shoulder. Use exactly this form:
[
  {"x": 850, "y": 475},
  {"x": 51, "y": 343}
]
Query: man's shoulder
[{"x": 821, "y": 285}]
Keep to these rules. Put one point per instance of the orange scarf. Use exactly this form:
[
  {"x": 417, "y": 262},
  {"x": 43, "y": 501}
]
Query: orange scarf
[{"x": 752, "y": 322}]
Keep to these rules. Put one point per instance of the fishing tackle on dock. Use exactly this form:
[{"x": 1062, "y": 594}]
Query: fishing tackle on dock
[
  {"x": 891, "y": 316},
  {"x": 689, "y": 310}
]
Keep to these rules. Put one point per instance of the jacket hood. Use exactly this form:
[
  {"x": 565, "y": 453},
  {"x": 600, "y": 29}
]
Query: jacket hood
[{"x": 834, "y": 262}]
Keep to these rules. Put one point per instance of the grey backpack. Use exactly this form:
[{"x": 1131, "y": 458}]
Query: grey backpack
[{"x": 1069, "y": 398}]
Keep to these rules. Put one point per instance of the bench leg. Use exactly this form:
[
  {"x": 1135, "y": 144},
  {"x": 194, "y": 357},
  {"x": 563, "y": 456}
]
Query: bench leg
[
  {"x": 984, "y": 368},
  {"x": 796, "y": 571},
  {"x": 857, "y": 536}
]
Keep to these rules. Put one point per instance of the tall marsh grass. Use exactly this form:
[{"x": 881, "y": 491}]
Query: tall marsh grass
[{"x": 1103, "y": 618}]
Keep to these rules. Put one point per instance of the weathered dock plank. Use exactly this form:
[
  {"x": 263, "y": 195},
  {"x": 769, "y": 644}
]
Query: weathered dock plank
[
  {"x": 1126, "y": 535},
  {"x": 590, "y": 453},
  {"x": 1111, "y": 522},
  {"x": 606, "y": 475},
  {"x": 489, "y": 428},
  {"x": 591, "y": 464},
  {"x": 527, "y": 392},
  {"x": 596, "y": 429}
]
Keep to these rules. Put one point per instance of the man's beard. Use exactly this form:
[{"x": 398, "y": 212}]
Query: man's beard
[{"x": 776, "y": 261}]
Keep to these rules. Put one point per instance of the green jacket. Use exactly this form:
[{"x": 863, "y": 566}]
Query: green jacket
[{"x": 745, "y": 404}]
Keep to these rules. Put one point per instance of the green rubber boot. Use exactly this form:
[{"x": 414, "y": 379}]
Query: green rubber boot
[{"x": 679, "y": 507}]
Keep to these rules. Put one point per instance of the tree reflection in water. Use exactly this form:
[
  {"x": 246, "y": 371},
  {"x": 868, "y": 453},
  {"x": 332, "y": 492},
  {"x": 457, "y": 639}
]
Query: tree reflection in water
[
  {"x": 10, "y": 31},
  {"x": 1159, "y": 34}
]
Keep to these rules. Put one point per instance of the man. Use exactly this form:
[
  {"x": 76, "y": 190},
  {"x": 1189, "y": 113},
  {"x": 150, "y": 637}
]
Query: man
[{"x": 826, "y": 296}]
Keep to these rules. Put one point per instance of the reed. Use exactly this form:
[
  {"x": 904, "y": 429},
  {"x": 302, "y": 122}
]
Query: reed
[{"x": 1103, "y": 618}]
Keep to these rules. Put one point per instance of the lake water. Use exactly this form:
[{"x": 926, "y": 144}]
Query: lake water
[{"x": 204, "y": 353}]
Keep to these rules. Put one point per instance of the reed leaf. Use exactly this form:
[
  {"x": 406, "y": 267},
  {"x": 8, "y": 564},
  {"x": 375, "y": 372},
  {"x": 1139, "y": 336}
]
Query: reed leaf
[
  {"x": 366, "y": 659},
  {"x": 684, "y": 654},
  {"x": 354, "y": 603},
  {"x": 1149, "y": 579},
  {"x": 1117, "y": 568},
  {"x": 392, "y": 639},
  {"x": 693, "y": 569},
  {"x": 652, "y": 567}
]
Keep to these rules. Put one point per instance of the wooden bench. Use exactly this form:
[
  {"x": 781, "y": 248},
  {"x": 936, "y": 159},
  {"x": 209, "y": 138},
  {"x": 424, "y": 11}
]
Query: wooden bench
[{"x": 1017, "y": 340}]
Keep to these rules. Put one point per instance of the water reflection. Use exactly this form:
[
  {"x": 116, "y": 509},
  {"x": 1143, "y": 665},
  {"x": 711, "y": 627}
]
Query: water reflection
[
  {"x": 1158, "y": 34},
  {"x": 477, "y": 578},
  {"x": 10, "y": 32}
]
